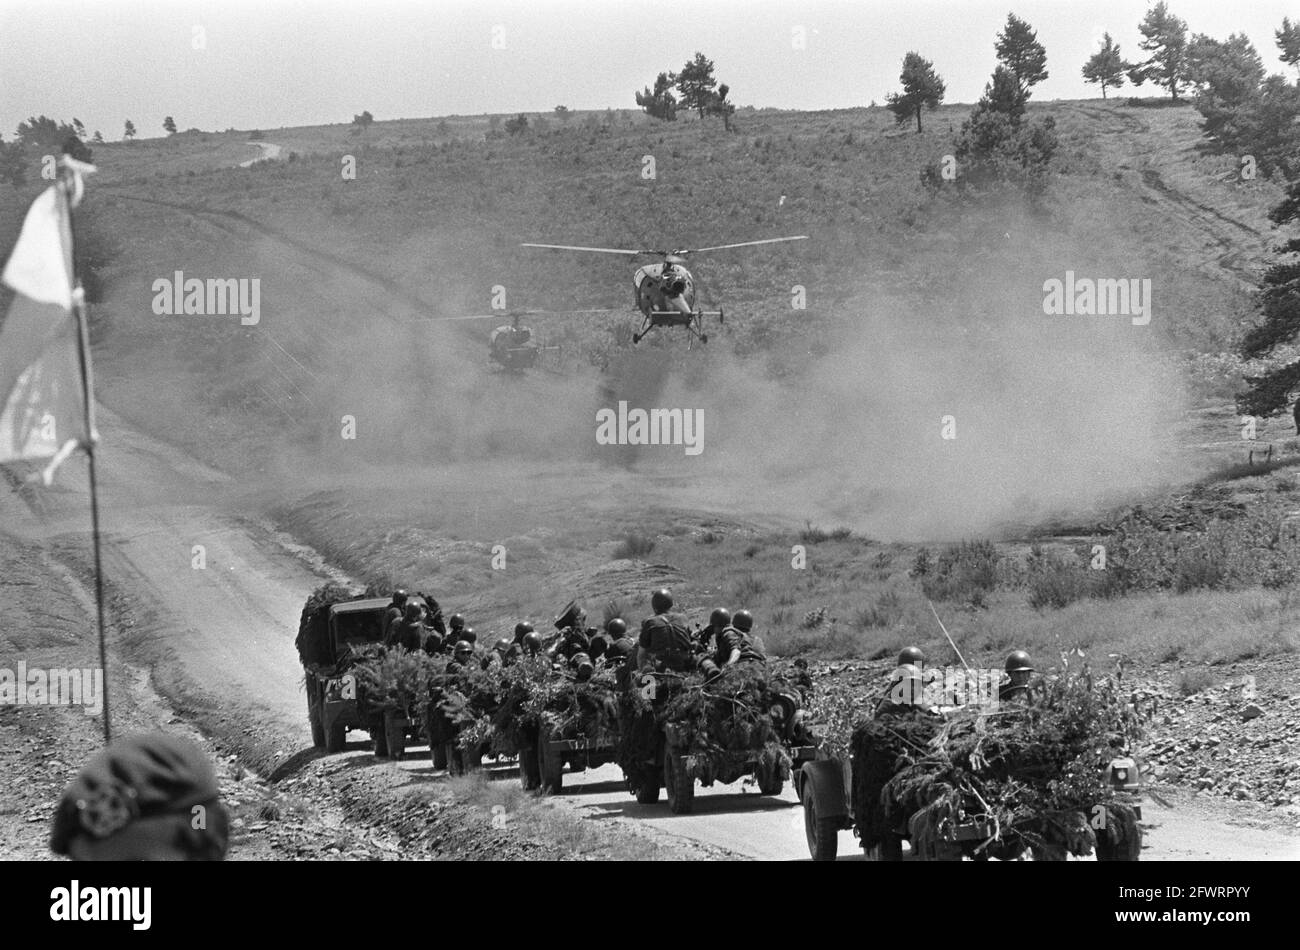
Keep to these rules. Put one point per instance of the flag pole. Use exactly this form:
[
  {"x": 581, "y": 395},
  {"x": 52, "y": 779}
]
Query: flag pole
[{"x": 89, "y": 445}]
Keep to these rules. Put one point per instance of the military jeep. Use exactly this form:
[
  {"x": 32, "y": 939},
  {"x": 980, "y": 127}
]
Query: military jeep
[{"x": 334, "y": 703}]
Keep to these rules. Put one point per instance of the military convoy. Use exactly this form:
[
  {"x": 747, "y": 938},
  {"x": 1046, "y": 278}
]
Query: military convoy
[{"x": 667, "y": 730}]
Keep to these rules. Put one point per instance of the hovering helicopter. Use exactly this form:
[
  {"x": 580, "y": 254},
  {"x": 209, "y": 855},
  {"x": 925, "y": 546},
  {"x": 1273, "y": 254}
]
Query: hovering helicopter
[{"x": 665, "y": 291}]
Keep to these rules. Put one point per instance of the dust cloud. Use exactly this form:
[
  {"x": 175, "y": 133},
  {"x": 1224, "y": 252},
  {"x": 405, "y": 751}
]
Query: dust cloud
[{"x": 1051, "y": 415}]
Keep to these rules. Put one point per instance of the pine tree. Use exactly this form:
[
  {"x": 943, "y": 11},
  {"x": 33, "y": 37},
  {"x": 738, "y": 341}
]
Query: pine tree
[
  {"x": 1279, "y": 303},
  {"x": 1106, "y": 67},
  {"x": 922, "y": 88},
  {"x": 696, "y": 83},
  {"x": 1165, "y": 38},
  {"x": 1019, "y": 50}
]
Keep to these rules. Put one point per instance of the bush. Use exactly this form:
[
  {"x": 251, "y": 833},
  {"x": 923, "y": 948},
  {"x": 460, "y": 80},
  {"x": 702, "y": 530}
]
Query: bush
[
  {"x": 963, "y": 573},
  {"x": 634, "y": 545},
  {"x": 1194, "y": 681}
]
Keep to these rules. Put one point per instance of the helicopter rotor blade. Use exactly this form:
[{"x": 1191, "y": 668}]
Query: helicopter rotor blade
[
  {"x": 593, "y": 250},
  {"x": 723, "y": 247},
  {"x": 512, "y": 314}
]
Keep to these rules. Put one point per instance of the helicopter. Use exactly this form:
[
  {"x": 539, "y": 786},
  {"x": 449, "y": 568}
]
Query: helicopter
[{"x": 665, "y": 291}]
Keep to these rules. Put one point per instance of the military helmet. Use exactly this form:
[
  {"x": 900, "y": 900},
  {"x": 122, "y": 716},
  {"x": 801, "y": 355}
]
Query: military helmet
[
  {"x": 533, "y": 642},
  {"x": 1018, "y": 662},
  {"x": 721, "y": 617},
  {"x": 743, "y": 621},
  {"x": 910, "y": 655},
  {"x": 502, "y": 645},
  {"x": 661, "y": 600},
  {"x": 456, "y": 621},
  {"x": 399, "y": 596},
  {"x": 413, "y": 608},
  {"x": 467, "y": 635},
  {"x": 463, "y": 647},
  {"x": 616, "y": 628},
  {"x": 521, "y": 628}
]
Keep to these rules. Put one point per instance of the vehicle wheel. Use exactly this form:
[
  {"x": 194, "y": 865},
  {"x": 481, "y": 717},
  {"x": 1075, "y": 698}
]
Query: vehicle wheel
[
  {"x": 890, "y": 848},
  {"x": 647, "y": 790},
  {"x": 772, "y": 784},
  {"x": 530, "y": 772},
  {"x": 379, "y": 737},
  {"x": 550, "y": 767},
  {"x": 680, "y": 785},
  {"x": 823, "y": 834},
  {"x": 438, "y": 752},
  {"x": 336, "y": 737},
  {"x": 313, "y": 713},
  {"x": 395, "y": 730}
]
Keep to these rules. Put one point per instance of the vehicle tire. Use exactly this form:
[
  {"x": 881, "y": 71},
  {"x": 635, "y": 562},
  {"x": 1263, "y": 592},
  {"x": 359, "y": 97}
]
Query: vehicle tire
[
  {"x": 438, "y": 752},
  {"x": 679, "y": 785},
  {"x": 313, "y": 713},
  {"x": 823, "y": 834},
  {"x": 647, "y": 790},
  {"x": 890, "y": 848},
  {"x": 772, "y": 784},
  {"x": 395, "y": 730},
  {"x": 530, "y": 772},
  {"x": 379, "y": 739},
  {"x": 336, "y": 737},
  {"x": 550, "y": 768}
]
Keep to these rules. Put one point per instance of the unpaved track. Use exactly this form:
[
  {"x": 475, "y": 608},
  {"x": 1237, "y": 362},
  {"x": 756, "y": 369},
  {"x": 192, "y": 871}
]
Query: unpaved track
[{"x": 228, "y": 625}]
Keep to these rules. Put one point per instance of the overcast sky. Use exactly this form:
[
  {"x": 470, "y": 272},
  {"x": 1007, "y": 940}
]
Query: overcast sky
[{"x": 303, "y": 62}]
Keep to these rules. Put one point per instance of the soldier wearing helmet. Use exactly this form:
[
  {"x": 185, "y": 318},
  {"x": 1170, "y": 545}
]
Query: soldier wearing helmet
[
  {"x": 500, "y": 655},
  {"x": 621, "y": 646},
  {"x": 1020, "y": 671},
  {"x": 582, "y": 666},
  {"x": 711, "y": 635},
  {"x": 911, "y": 655},
  {"x": 433, "y": 613},
  {"x": 665, "y": 639},
  {"x": 461, "y": 657},
  {"x": 395, "y": 611},
  {"x": 408, "y": 633},
  {"x": 905, "y": 693},
  {"x": 738, "y": 642},
  {"x": 532, "y": 643},
  {"x": 455, "y": 624},
  {"x": 522, "y": 629}
]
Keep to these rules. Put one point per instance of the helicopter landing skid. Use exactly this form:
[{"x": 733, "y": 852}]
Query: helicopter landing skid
[{"x": 693, "y": 322}]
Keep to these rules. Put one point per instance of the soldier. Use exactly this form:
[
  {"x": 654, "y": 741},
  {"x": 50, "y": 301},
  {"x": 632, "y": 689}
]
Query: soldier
[
  {"x": 461, "y": 657},
  {"x": 396, "y": 610},
  {"x": 905, "y": 693},
  {"x": 719, "y": 621},
  {"x": 1019, "y": 672},
  {"x": 911, "y": 655},
  {"x": 455, "y": 625},
  {"x": 500, "y": 655},
  {"x": 469, "y": 635},
  {"x": 665, "y": 639},
  {"x": 532, "y": 643},
  {"x": 434, "y": 618},
  {"x": 408, "y": 633},
  {"x": 144, "y": 798},
  {"x": 621, "y": 646},
  {"x": 738, "y": 643}
]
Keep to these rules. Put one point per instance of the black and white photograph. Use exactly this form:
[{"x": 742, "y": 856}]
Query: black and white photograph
[{"x": 582, "y": 431}]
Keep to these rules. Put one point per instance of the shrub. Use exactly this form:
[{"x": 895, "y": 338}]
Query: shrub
[{"x": 633, "y": 545}]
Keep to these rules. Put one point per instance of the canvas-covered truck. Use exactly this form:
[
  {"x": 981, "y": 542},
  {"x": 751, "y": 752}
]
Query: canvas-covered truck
[{"x": 329, "y": 635}]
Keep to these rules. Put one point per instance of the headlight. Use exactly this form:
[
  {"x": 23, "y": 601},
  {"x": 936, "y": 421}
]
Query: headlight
[{"x": 1121, "y": 775}]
